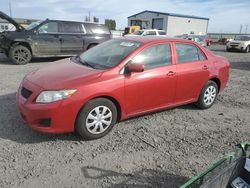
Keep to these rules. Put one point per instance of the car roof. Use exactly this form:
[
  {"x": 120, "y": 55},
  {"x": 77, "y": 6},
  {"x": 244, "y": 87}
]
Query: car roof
[
  {"x": 149, "y": 39},
  {"x": 151, "y": 30}
]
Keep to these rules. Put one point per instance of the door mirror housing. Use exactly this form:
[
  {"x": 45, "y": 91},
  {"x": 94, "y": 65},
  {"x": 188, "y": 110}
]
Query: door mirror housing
[{"x": 133, "y": 67}]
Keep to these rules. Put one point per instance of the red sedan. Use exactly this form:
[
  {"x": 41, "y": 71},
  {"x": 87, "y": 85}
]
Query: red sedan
[{"x": 119, "y": 79}]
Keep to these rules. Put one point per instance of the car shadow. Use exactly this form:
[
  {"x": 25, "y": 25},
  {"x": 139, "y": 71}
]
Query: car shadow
[
  {"x": 5, "y": 60},
  {"x": 141, "y": 178},
  {"x": 240, "y": 65},
  {"x": 13, "y": 128}
]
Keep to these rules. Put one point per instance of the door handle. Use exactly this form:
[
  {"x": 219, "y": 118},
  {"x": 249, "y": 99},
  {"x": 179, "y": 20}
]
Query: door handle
[
  {"x": 171, "y": 73},
  {"x": 205, "y": 67}
]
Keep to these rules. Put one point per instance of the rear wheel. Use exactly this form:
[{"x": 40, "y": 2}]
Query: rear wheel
[
  {"x": 96, "y": 119},
  {"x": 208, "y": 95},
  {"x": 20, "y": 55},
  {"x": 91, "y": 46}
]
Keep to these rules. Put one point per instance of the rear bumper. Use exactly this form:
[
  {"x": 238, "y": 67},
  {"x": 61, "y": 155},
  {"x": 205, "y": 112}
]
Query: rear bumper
[{"x": 55, "y": 117}]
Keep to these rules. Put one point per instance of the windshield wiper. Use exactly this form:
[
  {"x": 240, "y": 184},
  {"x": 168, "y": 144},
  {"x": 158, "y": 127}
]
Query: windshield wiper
[{"x": 78, "y": 59}]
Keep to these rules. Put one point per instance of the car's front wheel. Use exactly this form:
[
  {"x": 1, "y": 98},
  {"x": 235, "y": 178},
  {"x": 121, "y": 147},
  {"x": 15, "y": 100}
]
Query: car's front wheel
[
  {"x": 208, "y": 95},
  {"x": 247, "y": 49},
  {"x": 96, "y": 118},
  {"x": 228, "y": 49},
  {"x": 20, "y": 55}
]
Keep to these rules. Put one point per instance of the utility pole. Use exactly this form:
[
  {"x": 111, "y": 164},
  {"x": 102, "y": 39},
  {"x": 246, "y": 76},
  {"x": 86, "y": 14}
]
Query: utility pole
[
  {"x": 246, "y": 29},
  {"x": 241, "y": 28},
  {"x": 10, "y": 8},
  {"x": 89, "y": 16}
]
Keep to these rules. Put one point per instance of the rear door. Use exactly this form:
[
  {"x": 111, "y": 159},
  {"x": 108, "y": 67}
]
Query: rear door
[
  {"x": 46, "y": 40},
  {"x": 71, "y": 36},
  {"x": 192, "y": 71},
  {"x": 155, "y": 86}
]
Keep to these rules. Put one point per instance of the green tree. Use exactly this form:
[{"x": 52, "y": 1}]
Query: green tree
[
  {"x": 95, "y": 19},
  {"x": 111, "y": 24}
]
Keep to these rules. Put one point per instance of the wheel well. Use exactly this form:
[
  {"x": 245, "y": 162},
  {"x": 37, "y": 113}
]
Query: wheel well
[
  {"x": 23, "y": 44},
  {"x": 117, "y": 105},
  {"x": 91, "y": 45},
  {"x": 217, "y": 81}
]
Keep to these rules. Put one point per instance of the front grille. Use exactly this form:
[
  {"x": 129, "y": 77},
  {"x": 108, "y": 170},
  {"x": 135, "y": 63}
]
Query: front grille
[{"x": 26, "y": 93}]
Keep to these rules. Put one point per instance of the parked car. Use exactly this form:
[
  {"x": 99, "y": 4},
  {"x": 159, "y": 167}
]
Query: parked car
[
  {"x": 240, "y": 43},
  {"x": 208, "y": 40},
  {"x": 118, "y": 79},
  {"x": 195, "y": 38},
  {"x": 50, "y": 38},
  {"x": 145, "y": 32}
]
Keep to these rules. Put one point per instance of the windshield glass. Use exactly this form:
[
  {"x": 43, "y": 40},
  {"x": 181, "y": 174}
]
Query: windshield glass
[
  {"x": 138, "y": 32},
  {"x": 108, "y": 54},
  {"x": 33, "y": 25},
  {"x": 242, "y": 38}
]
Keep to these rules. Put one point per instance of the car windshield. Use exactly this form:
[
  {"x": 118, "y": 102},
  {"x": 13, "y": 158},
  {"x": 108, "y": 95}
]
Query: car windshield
[
  {"x": 33, "y": 25},
  {"x": 242, "y": 38},
  {"x": 108, "y": 54},
  {"x": 138, "y": 32}
]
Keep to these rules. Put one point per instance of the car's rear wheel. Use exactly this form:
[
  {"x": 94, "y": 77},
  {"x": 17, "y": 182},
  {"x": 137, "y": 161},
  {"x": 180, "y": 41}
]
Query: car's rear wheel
[
  {"x": 96, "y": 119},
  {"x": 20, "y": 55},
  {"x": 208, "y": 95}
]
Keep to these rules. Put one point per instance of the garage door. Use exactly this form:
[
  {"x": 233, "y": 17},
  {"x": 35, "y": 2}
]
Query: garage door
[{"x": 157, "y": 23}]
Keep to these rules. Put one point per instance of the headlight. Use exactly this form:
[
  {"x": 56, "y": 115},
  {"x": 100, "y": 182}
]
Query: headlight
[{"x": 51, "y": 96}]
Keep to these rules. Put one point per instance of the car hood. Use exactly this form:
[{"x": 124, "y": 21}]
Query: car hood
[
  {"x": 12, "y": 21},
  {"x": 238, "y": 41},
  {"x": 62, "y": 74}
]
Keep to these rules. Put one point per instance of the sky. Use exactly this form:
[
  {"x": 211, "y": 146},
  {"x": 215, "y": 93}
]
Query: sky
[{"x": 225, "y": 15}]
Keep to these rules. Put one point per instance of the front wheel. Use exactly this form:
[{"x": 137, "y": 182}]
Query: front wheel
[
  {"x": 208, "y": 95},
  {"x": 20, "y": 55},
  {"x": 96, "y": 119},
  {"x": 247, "y": 49}
]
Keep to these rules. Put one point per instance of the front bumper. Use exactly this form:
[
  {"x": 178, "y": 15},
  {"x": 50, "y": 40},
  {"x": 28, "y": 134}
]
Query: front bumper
[
  {"x": 55, "y": 117},
  {"x": 236, "y": 47}
]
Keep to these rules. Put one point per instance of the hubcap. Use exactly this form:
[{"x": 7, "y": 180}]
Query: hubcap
[
  {"x": 21, "y": 55},
  {"x": 209, "y": 95},
  {"x": 99, "y": 119}
]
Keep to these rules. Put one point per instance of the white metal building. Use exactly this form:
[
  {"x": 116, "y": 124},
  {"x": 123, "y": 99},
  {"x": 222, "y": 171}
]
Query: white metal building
[{"x": 173, "y": 24}]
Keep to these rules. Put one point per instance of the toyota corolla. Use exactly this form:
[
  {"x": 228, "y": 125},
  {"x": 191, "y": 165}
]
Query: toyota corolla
[{"x": 118, "y": 79}]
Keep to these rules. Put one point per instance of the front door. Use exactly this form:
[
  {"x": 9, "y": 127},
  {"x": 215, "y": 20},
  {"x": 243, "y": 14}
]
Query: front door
[
  {"x": 46, "y": 40},
  {"x": 155, "y": 86}
]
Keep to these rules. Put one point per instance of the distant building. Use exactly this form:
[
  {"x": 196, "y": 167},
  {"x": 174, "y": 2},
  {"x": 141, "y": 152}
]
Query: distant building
[
  {"x": 173, "y": 24},
  {"x": 6, "y": 26}
]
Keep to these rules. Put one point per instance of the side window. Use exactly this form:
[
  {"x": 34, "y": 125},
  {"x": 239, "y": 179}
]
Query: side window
[
  {"x": 188, "y": 53},
  {"x": 155, "y": 56},
  {"x": 162, "y": 32},
  {"x": 68, "y": 27},
  {"x": 96, "y": 28},
  {"x": 50, "y": 27},
  {"x": 150, "y": 33},
  {"x": 6, "y": 27}
]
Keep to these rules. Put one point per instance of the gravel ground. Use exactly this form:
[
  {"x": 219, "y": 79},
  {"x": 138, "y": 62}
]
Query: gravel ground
[{"x": 159, "y": 150}]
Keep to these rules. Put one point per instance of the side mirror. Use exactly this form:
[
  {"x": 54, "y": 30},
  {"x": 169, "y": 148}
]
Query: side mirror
[{"x": 133, "y": 67}]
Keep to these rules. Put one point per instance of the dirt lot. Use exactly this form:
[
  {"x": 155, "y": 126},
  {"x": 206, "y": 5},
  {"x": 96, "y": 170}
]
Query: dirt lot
[{"x": 158, "y": 150}]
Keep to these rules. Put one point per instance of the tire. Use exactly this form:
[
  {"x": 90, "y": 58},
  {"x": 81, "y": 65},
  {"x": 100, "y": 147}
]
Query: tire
[
  {"x": 208, "y": 95},
  {"x": 91, "y": 46},
  {"x": 228, "y": 49},
  {"x": 85, "y": 125},
  {"x": 247, "y": 49},
  {"x": 20, "y": 55}
]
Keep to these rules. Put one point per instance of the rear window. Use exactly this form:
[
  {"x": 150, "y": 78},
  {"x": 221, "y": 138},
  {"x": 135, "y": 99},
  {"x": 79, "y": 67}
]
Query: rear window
[
  {"x": 188, "y": 53},
  {"x": 96, "y": 28},
  {"x": 162, "y": 32},
  {"x": 68, "y": 27}
]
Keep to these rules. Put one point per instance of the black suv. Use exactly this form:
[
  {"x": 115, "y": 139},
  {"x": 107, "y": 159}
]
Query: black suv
[{"x": 50, "y": 38}]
